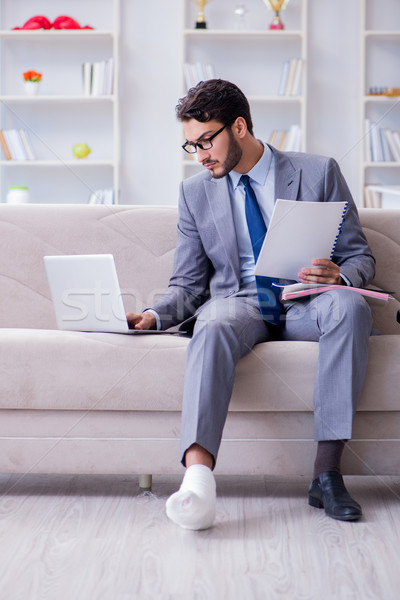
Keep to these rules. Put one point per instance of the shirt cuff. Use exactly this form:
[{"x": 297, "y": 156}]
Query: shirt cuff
[
  {"x": 345, "y": 279},
  {"x": 157, "y": 316}
]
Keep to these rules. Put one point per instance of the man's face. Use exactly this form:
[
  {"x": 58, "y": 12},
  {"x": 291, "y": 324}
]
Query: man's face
[{"x": 226, "y": 151}]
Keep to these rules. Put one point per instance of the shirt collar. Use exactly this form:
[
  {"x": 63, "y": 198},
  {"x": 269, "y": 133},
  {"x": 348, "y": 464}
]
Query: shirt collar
[{"x": 258, "y": 173}]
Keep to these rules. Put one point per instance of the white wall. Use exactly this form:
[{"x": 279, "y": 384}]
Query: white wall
[
  {"x": 150, "y": 87},
  {"x": 333, "y": 83}
]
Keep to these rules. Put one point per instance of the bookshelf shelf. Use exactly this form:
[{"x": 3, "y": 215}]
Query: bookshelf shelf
[
  {"x": 384, "y": 99},
  {"x": 276, "y": 99},
  {"x": 254, "y": 59},
  {"x": 380, "y": 33},
  {"x": 63, "y": 114},
  {"x": 226, "y": 33},
  {"x": 58, "y": 163},
  {"x": 382, "y": 164},
  {"x": 53, "y": 34},
  {"x": 57, "y": 98}
]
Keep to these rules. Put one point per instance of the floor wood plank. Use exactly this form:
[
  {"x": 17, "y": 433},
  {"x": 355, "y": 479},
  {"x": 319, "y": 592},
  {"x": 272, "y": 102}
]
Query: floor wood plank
[{"x": 101, "y": 538}]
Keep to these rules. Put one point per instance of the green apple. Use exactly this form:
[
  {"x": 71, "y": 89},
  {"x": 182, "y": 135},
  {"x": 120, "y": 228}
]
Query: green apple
[{"x": 81, "y": 150}]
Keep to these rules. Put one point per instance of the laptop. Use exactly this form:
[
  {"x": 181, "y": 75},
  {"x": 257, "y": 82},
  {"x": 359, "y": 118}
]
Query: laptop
[{"x": 86, "y": 294}]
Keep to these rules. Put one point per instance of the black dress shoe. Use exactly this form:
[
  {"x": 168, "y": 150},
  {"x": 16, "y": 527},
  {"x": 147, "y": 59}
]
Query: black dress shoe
[{"x": 328, "y": 491}]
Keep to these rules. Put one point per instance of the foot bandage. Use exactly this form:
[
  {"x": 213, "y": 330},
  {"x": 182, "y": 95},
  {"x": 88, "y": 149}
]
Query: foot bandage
[{"x": 193, "y": 505}]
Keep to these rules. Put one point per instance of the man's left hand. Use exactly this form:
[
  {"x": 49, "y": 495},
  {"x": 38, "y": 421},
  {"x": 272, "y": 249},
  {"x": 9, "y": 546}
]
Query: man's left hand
[{"x": 324, "y": 271}]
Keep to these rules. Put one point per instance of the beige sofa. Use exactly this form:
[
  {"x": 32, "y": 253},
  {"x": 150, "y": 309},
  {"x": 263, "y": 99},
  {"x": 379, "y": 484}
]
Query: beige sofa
[{"x": 109, "y": 403}]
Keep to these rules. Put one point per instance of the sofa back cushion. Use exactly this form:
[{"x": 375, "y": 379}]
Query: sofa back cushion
[
  {"x": 142, "y": 240},
  {"x": 382, "y": 228}
]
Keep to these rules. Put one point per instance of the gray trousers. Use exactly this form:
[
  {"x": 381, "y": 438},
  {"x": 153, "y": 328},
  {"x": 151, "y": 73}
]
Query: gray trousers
[{"x": 227, "y": 329}]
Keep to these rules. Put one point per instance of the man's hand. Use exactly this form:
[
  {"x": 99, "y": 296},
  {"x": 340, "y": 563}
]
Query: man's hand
[
  {"x": 325, "y": 271},
  {"x": 144, "y": 320}
]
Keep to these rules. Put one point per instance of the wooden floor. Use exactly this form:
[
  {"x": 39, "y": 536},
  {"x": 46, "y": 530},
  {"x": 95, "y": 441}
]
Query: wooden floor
[{"x": 101, "y": 538}]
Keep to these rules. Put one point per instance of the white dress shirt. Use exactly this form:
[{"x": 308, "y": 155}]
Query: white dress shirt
[{"x": 262, "y": 181}]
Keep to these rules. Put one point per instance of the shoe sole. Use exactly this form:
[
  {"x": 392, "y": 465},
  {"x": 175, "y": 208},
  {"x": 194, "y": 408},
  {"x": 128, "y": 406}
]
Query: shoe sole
[{"x": 316, "y": 503}]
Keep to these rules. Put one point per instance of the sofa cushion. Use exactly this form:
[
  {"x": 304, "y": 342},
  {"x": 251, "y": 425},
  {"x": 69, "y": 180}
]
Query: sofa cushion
[
  {"x": 46, "y": 369},
  {"x": 383, "y": 233}
]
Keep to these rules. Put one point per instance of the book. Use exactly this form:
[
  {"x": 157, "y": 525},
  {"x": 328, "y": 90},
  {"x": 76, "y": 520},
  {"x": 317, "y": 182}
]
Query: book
[
  {"x": 376, "y": 144},
  {"x": 391, "y": 141},
  {"x": 3, "y": 144},
  {"x": 385, "y": 189},
  {"x": 388, "y": 195},
  {"x": 298, "y": 233},
  {"x": 380, "y": 144},
  {"x": 396, "y": 138},
  {"x": 296, "y": 87},
  {"x": 18, "y": 144},
  {"x": 109, "y": 77},
  {"x": 301, "y": 290},
  {"x": 98, "y": 78},
  {"x": 387, "y": 154},
  {"x": 9, "y": 142},
  {"x": 272, "y": 137},
  {"x": 105, "y": 196},
  {"x": 372, "y": 197},
  {"x": 196, "y": 72},
  {"x": 288, "y": 140},
  {"x": 86, "y": 78},
  {"x": 283, "y": 78},
  {"x": 26, "y": 141},
  {"x": 290, "y": 77},
  {"x": 367, "y": 140},
  {"x": 293, "y": 140},
  {"x": 280, "y": 143}
]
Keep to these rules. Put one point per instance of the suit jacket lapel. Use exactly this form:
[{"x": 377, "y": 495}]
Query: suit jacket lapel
[
  {"x": 220, "y": 206},
  {"x": 287, "y": 179}
]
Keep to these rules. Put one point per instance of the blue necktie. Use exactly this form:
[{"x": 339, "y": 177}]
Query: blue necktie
[{"x": 268, "y": 295}]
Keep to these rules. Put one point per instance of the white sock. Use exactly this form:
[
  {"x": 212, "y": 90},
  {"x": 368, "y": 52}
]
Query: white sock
[{"x": 193, "y": 505}]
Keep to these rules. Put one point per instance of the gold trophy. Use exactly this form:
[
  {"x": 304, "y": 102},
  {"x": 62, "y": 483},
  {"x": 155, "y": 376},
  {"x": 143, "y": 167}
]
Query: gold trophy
[
  {"x": 200, "y": 21},
  {"x": 276, "y": 5}
]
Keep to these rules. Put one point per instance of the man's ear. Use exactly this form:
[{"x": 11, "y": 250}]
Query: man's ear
[{"x": 240, "y": 127}]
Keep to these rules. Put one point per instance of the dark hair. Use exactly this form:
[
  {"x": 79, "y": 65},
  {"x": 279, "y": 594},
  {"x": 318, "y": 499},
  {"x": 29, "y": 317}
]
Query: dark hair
[{"x": 215, "y": 99}]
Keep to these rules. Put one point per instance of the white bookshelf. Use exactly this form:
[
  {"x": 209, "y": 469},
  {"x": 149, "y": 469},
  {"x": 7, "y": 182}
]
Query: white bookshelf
[
  {"x": 61, "y": 115},
  {"x": 252, "y": 58},
  {"x": 379, "y": 69}
]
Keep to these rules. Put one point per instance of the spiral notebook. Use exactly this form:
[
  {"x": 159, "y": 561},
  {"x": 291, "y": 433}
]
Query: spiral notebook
[
  {"x": 298, "y": 233},
  {"x": 300, "y": 290}
]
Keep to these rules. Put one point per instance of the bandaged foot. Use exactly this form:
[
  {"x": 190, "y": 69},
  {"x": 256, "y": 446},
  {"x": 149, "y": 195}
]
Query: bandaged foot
[{"x": 193, "y": 505}]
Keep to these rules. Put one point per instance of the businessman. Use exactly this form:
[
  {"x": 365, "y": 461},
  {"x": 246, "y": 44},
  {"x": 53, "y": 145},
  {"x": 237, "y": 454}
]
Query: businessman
[{"x": 223, "y": 215}]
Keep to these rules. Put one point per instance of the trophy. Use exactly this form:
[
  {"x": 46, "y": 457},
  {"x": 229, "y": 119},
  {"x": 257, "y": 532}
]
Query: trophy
[
  {"x": 200, "y": 21},
  {"x": 276, "y": 5},
  {"x": 240, "y": 13}
]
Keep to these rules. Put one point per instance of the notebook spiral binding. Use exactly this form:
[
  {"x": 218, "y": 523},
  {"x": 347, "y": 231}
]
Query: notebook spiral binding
[{"x": 339, "y": 230}]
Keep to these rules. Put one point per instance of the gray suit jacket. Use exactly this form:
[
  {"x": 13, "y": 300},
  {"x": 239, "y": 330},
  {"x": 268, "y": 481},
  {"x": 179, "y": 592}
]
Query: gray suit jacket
[{"x": 207, "y": 258}]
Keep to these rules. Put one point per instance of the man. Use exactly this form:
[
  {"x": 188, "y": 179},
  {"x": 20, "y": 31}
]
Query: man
[{"x": 220, "y": 229}]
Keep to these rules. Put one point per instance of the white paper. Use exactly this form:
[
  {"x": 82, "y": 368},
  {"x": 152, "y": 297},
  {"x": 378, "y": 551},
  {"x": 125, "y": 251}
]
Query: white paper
[{"x": 298, "y": 233}]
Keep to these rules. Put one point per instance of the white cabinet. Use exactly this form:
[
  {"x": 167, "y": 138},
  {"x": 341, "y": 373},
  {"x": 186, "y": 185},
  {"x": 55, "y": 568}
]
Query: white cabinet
[
  {"x": 379, "y": 174},
  {"x": 60, "y": 116},
  {"x": 251, "y": 55}
]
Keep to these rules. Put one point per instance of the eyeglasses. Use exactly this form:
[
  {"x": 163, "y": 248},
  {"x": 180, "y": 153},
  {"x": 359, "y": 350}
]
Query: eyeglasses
[{"x": 206, "y": 144}]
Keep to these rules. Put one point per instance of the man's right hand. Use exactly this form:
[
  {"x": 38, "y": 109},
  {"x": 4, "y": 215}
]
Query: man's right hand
[{"x": 144, "y": 320}]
